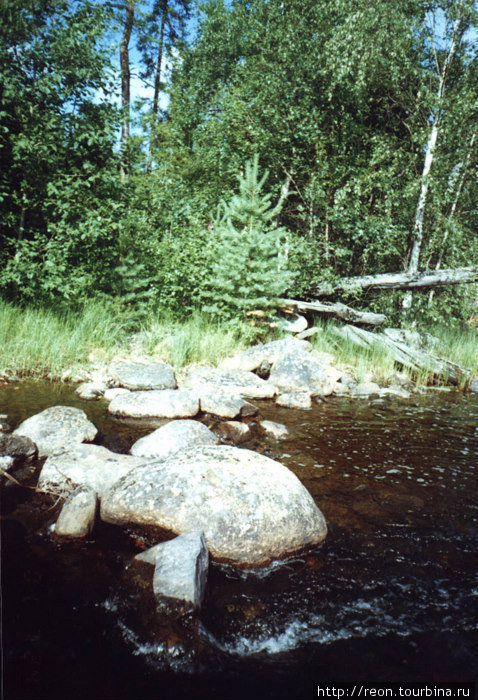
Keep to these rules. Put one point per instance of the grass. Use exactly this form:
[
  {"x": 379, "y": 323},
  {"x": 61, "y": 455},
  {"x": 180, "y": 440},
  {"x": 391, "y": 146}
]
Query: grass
[{"x": 42, "y": 343}]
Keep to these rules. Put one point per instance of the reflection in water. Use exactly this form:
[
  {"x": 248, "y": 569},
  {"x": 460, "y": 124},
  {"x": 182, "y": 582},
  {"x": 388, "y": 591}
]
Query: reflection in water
[{"x": 391, "y": 595}]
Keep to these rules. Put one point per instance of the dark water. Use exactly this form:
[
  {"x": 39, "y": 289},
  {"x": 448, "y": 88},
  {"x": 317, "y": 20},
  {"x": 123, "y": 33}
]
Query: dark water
[{"x": 392, "y": 595}]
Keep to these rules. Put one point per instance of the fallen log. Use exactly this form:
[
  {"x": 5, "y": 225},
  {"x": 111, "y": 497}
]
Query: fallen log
[
  {"x": 406, "y": 355},
  {"x": 397, "y": 280},
  {"x": 337, "y": 310}
]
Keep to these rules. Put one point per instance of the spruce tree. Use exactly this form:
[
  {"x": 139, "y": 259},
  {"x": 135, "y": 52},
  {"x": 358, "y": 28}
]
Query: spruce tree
[{"x": 250, "y": 268}]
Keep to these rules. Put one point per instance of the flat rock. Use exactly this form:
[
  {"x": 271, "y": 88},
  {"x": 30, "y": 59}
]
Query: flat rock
[
  {"x": 111, "y": 394},
  {"x": 90, "y": 391},
  {"x": 295, "y": 399},
  {"x": 143, "y": 375},
  {"x": 366, "y": 389},
  {"x": 77, "y": 517},
  {"x": 56, "y": 427},
  {"x": 85, "y": 465},
  {"x": 275, "y": 430},
  {"x": 298, "y": 371},
  {"x": 171, "y": 438},
  {"x": 235, "y": 382},
  {"x": 180, "y": 574},
  {"x": 169, "y": 403},
  {"x": 295, "y": 323},
  {"x": 224, "y": 405},
  {"x": 251, "y": 359},
  {"x": 251, "y": 508}
]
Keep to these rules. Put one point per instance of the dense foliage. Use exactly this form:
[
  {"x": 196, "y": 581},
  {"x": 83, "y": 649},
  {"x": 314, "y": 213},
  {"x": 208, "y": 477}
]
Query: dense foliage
[{"x": 341, "y": 100}]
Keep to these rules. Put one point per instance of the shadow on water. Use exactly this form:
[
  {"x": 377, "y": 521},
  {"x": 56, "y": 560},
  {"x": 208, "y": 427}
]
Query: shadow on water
[{"x": 392, "y": 595}]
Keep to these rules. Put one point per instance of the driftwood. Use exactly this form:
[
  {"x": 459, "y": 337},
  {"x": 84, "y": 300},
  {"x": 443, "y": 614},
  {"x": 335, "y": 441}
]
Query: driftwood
[
  {"x": 412, "y": 357},
  {"x": 341, "y": 311},
  {"x": 397, "y": 280}
]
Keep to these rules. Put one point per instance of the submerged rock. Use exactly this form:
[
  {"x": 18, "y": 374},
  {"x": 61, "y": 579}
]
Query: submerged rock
[
  {"x": 85, "y": 465},
  {"x": 251, "y": 508},
  {"x": 173, "y": 437},
  {"x": 295, "y": 399},
  {"x": 4, "y": 422},
  {"x": 251, "y": 359},
  {"x": 139, "y": 376},
  {"x": 180, "y": 575},
  {"x": 235, "y": 382},
  {"x": 275, "y": 430},
  {"x": 57, "y": 427},
  {"x": 90, "y": 391},
  {"x": 169, "y": 403},
  {"x": 77, "y": 517}
]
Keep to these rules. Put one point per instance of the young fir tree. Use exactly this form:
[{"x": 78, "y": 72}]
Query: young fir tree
[{"x": 250, "y": 271}]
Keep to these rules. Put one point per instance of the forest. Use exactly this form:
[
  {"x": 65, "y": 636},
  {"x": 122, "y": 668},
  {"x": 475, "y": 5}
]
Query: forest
[{"x": 282, "y": 147}]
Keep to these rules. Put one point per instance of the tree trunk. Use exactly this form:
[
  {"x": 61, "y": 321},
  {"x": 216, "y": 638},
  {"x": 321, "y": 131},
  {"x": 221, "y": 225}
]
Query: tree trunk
[
  {"x": 344, "y": 313},
  {"x": 157, "y": 81},
  {"x": 125, "y": 87},
  {"x": 397, "y": 280}
]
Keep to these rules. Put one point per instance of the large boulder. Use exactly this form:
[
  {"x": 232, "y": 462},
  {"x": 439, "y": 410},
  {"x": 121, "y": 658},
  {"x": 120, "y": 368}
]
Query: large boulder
[
  {"x": 77, "y": 517},
  {"x": 85, "y": 465},
  {"x": 251, "y": 508},
  {"x": 169, "y": 403},
  {"x": 56, "y": 427},
  {"x": 299, "y": 371},
  {"x": 173, "y": 437},
  {"x": 251, "y": 359},
  {"x": 235, "y": 382},
  {"x": 142, "y": 375}
]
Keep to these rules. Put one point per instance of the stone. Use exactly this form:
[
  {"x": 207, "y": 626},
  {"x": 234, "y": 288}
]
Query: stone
[
  {"x": 85, "y": 465},
  {"x": 56, "y": 427},
  {"x": 171, "y": 438},
  {"x": 6, "y": 463},
  {"x": 366, "y": 389},
  {"x": 143, "y": 375},
  {"x": 264, "y": 369},
  {"x": 396, "y": 392},
  {"x": 473, "y": 386},
  {"x": 234, "y": 382},
  {"x": 275, "y": 430},
  {"x": 252, "y": 509},
  {"x": 77, "y": 517},
  {"x": 110, "y": 394},
  {"x": 180, "y": 574},
  {"x": 251, "y": 359},
  {"x": 224, "y": 405},
  {"x": 308, "y": 333},
  {"x": 18, "y": 447},
  {"x": 4, "y": 422},
  {"x": 301, "y": 372},
  {"x": 90, "y": 391},
  {"x": 294, "y": 323},
  {"x": 236, "y": 431},
  {"x": 341, "y": 389},
  {"x": 295, "y": 399},
  {"x": 168, "y": 403}
]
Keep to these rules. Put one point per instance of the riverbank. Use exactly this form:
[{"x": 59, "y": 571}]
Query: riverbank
[{"x": 46, "y": 344}]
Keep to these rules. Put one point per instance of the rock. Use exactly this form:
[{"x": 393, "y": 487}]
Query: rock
[
  {"x": 294, "y": 323},
  {"x": 308, "y": 333},
  {"x": 6, "y": 463},
  {"x": 264, "y": 369},
  {"x": 4, "y": 424},
  {"x": 395, "y": 392},
  {"x": 236, "y": 431},
  {"x": 473, "y": 386},
  {"x": 169, "y": 403},
  {"x": 89, "y": 391},
  {"x": 341, "y": 389},
  {"x": 56, "y": 427},
  {"x": 220, "y": 403},
  {"x": 296, "y": 399},
  {"x": 85, "y": 465},
  {"x": 413, "y": 338},
  {"x": 234, "y": 382},
  {"x": 18, "y": 447},
  {"x": 366, "y": 389},
  {"x": 77, "y": 517},
  {"x": 171, "y": 438},
  {"x": 275, "y": 430},
  {"x": 181, "y": 573},
  {"x": 140, "y": 376},
  {"x": 110, "y": 394},
  {"x": 251, "y": 508},
  {"x": 301, "y": 372},
  {"x": 252, "y": 358}
]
